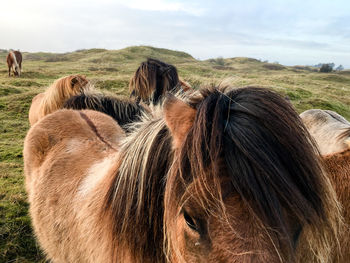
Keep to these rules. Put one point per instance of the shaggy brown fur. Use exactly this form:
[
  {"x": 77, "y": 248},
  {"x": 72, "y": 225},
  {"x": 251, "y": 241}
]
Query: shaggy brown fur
[
  {"x": 233, "y": 178},
  {"x": 332, "y": 134},
  {"x": 54, "y": 97},
  {"x": 241, "y": 166},
  {"x": 338, "y": 167},
  {"x": 14, "y": 62},
  {"x": 153, "y": 79},
  {"x": 61, "y": 151}
]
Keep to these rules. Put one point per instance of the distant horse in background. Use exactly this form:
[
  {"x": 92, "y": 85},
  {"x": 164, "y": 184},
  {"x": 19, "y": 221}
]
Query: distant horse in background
[
  {"x": 54, "y": 97},
  {"x": 122, "y": 110},
  {"x": 153, "y": 79},
  {"x": 14, "y": 62},
  {"x": 232, "y": 178},
  {"x": 331, "y": 132}
]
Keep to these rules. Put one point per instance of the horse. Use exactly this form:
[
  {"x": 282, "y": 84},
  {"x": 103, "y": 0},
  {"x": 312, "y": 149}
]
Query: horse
[
  {"x": 331, "y": 132},
  {"x": 55, "y": 95},
  {"x": 14, "y": 62},
  {"x": 153, "y": 79},
  {"x": 222, "y": 175},
  {"x": 123, "y": 111}
]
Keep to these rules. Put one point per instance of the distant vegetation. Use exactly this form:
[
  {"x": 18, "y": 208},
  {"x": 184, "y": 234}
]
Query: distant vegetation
[
  {"x": 326, "y": 68},
  {"x": 111, "y": 71}
]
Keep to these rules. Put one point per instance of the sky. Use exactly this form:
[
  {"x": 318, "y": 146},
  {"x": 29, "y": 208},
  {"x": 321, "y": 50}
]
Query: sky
[{"x": 298, "y": 32}]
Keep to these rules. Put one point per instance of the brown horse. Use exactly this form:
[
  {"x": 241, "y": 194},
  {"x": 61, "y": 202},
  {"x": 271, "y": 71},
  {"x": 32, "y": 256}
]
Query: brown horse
[
  {"x": 227, "y": 176},
  {"x": 14, "y": 62},
  {"x": 54, "y": 97},
  {"x": 153, "y": 79},
  {"x": 332, "y": 134}
]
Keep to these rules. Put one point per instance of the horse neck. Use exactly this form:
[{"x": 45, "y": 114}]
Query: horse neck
[
  {"x": 135, "y": 196},
  {"x": 338, "y": 167},
  {"x": 14, "y": 58}
]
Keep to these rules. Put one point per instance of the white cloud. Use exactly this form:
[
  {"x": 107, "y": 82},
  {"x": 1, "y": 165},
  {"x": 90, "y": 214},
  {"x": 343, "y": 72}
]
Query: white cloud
[
  {"x": 285, "y": 31},
  {"x": 161, "y": 5}
]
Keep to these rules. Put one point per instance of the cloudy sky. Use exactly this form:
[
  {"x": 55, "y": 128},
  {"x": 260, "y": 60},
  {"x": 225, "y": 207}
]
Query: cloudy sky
[{"x": 291, "y": 32}]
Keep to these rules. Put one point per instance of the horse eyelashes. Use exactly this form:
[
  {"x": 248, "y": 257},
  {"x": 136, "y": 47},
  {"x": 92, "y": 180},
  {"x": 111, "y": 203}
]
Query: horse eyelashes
[{"x": 190, "y": 222}]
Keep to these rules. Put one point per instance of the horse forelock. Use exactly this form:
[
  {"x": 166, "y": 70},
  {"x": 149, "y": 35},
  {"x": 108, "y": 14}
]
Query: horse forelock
[
  {"x": 256, "y": 139},
  {"x": 135, "y": 197}
]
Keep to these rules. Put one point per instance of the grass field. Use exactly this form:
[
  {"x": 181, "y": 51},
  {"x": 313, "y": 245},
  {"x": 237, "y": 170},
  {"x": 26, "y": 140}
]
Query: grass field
[{"x": 111, "y": 70}]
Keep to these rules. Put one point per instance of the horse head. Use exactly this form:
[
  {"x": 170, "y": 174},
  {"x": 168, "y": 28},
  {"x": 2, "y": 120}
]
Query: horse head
[
  {"x": 246, "y": 185},
  {"x": 77, "y": 82},
  {"x": 152, "y": 80},
  {"x": 17, "y": 71}
]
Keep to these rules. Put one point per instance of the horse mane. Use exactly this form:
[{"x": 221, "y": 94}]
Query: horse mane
[
  {"x": 284, "y": 180},
  {"x": 258, "y": 140},
  {"x": 152, "y": 80},
  {"x": 122, "y": 110},
  {"x": 12, "y": 52},
  {"x": 137, "y": 190},
  {"x": 60, "y": 91}
]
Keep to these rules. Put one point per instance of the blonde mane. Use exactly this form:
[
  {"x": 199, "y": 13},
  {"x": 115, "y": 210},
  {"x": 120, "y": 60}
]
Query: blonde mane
[
  {"x": 146, "y": 152},
  {"x": 14, "y": 58},
  {"x": 60, "y": 91}
]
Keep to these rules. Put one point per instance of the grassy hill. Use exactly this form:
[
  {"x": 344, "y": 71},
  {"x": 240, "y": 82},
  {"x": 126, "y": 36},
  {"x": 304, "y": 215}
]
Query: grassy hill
[{"x": 111, "y": 70}]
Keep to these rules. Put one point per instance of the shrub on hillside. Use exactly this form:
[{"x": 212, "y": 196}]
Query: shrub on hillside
[
  {"x": 326, "y": 68},
  {"x": 273, "y": 66},
  {"x": 339, "y": 68}
]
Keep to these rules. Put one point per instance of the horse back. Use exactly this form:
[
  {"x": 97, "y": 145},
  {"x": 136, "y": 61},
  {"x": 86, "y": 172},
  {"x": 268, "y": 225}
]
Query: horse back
[
  {"x": 61, "y": 151},
  {"x": 18, "y": 57},
  {"x": 34, "y": 110},
  {"x": 53, "y": 136}
]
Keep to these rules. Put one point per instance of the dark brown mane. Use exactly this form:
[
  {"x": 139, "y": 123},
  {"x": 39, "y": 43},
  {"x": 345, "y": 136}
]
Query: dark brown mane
[
  {"x": 138, "y": 189},
  {"x": 152, "y": 80},
  {"x": 122, "y": 110},
  {"x": 267, "y": 157}
]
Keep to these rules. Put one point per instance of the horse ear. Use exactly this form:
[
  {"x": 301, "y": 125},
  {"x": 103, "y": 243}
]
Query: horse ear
[
  {"x": 74, "y": 80},
  {"x": 179, "y": 118}
]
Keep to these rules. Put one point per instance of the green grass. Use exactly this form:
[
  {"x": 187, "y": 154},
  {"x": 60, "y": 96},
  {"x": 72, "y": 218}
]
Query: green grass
[{"x": 111, "y": 70}]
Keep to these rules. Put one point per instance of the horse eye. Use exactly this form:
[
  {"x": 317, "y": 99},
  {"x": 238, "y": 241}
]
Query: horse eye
[{"x": 190, "y": 222}]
